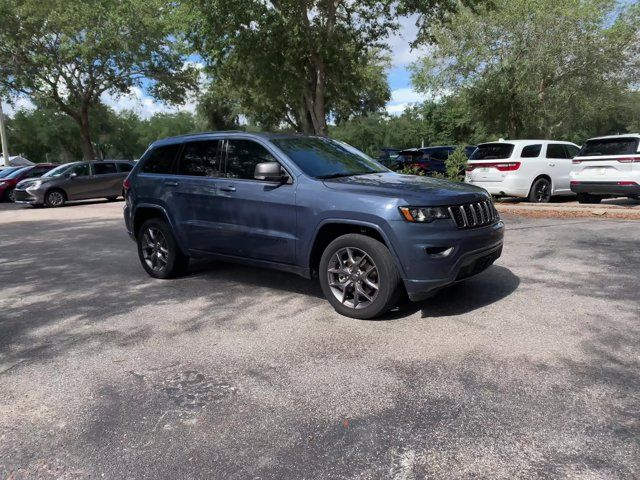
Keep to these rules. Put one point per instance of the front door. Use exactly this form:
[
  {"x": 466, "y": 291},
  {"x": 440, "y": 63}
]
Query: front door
[
  {"x": 79, "y": 181},
  {"x": 257, "y": 218}
]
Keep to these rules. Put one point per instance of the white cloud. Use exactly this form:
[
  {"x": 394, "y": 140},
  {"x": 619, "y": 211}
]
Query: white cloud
[
  {"x": 401, "y": 51},
  {"x": 19, "y": 103},
  {"x": 144, "y": 105},
  {"x": 402, "y": 98}
]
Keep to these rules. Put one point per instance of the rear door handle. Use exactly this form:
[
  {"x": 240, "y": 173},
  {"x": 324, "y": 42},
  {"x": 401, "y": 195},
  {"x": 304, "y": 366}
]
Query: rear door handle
[
  {"x": 552, "y": 164},
  {"x": 171, "y": 184},
  {"x": 229, "y": 188}
]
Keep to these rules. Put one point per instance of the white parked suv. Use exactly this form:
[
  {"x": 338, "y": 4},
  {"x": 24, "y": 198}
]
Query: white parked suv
[
  {"x": 533, "y": 169},
  {"x": 607, "y": 167}
]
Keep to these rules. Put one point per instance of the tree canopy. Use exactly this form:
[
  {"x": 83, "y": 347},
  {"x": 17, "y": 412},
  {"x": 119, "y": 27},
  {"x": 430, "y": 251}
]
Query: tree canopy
[
  {"x": 67, "y": 53},
  {"x": 547, "y": 68}
]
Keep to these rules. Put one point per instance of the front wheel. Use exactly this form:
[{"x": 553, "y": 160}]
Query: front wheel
[
  {"x": 54, "y": 198},
  {"x": 10, "y": 195},
  {"x": 540, "y": 191},
  {"x": 112, "y": 199},
  {"x": 359, "y": 277},
  {"x": 158, "y": 250}
]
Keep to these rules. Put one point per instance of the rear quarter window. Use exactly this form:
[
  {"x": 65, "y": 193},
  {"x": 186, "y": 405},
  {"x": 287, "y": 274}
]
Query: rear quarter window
[
  {"x": 609, "y": 146},
  {"x": 531, "y": 151},
  {"x": 493, "y": 151}
]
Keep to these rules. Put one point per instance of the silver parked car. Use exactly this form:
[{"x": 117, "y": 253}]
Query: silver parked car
[{"x": 75, "y": 181}]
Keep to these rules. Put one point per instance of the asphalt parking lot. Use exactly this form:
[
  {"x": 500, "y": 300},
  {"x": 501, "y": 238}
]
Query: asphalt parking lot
[{"x": 531, "y": 369}]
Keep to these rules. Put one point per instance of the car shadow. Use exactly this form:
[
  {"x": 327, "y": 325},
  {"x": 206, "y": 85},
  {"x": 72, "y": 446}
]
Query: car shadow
[{"x": 492, "y": 285}]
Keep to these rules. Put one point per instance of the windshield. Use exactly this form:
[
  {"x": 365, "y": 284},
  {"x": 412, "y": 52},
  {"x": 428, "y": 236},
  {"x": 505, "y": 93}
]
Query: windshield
[
  {"x": 492, "y": 151},
  {"x": 17, "y": 173},
  {"x": 8, "y": 171},
  {"x": 609, "y": 146},
  {"x": 56, "y": 172},
  {"x": 325, "y": 158}
]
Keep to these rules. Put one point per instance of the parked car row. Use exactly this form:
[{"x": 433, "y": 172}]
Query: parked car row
[
  {"x": 53, "y": 186},
  {"x": 540, "y": 169}
]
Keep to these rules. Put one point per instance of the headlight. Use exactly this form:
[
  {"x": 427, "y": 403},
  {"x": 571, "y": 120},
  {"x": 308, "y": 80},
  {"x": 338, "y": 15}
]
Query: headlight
[
  {"x": 424, "y": 214},
  {"x": 34, "y": 185}
]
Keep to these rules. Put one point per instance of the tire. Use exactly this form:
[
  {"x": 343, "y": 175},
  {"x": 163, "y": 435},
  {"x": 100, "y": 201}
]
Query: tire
[
  {"x": 540, "y": 191},
  {"x": 155, "y": 238},
  {"x": 367, "y": 252},
  {"x": 111, "y": 199},
  {"x": 9, "y": 195},
  {"x": 55, "y": 198},
  {"x": 588, "y": 198}
]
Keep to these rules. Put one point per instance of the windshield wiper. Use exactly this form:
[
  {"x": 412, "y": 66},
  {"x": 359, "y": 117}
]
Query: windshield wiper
[{"x": 338, "y": 175}]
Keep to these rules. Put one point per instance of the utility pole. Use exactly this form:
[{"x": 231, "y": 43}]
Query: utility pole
[{"x": 3, "y": 138}]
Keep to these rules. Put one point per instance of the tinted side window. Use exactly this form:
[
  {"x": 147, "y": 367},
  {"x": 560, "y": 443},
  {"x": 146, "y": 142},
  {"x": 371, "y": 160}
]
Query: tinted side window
[
  {"x": 556, "y": 150},
  {"x": 161, "y": 159},
  {"x": 104, "y": 168},
  {"x": 33, "y": 173},
  {"x": 440, "y": 154},
  {"x": 531, "y": 151},
  {"x": 124, "y": 167},
  {"x": 81, "y": 170},
  {"x": 243, "y": 156},
  {"x": 572, "y": 150},
  {"x": 201, "y": 159}
]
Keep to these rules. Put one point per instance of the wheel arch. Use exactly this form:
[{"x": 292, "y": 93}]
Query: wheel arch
[{"x": 331, "y": 229}]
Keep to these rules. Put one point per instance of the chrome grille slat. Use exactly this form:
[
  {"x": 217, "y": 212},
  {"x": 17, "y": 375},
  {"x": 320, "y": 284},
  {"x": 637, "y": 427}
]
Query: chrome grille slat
[{"x": 472, "y": 215}]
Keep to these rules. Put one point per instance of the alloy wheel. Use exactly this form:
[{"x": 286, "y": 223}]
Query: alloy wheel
[
  {"x": 543, "y": 192},
  {"x": 55, "y": 199},
  {"x": 154, "y": 249},
  {"x": 353, "y": 278}
]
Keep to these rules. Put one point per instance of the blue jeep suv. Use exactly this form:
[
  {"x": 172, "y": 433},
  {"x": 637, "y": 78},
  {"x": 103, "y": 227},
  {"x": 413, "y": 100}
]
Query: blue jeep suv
[{"x": 310, "y": 206}]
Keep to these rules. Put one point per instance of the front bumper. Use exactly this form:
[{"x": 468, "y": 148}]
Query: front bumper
[
  {"x": 472, "y": 251},
  {"x": 31, "y": 196},
  {"x": 605, "y": 188}
]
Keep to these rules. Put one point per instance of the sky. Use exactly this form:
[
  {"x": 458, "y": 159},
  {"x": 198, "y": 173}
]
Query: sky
[{"x": 402, "y": 94}]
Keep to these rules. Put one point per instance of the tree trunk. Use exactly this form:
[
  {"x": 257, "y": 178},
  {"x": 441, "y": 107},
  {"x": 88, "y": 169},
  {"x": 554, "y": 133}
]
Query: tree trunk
[
  {"x": 88, "y": 152},
  {"x": 314, "y": 106}
]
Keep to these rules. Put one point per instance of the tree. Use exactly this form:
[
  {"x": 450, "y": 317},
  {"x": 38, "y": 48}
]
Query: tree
[
  {"x": 301, "y": 62},
  {"x": 68, "y": 53},
  {"x": 533, "y": 68}
]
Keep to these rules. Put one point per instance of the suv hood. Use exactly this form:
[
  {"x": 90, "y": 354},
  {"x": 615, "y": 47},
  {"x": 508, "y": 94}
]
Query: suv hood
[{"x": 415, "y": 190}]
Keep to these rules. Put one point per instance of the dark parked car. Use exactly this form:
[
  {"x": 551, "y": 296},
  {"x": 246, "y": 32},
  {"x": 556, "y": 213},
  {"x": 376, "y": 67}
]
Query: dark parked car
[
  {"x": 9, "y": 181},
  {"x": 75, "y": 181},
  {"x": 429, "y": 160},
  {"x": 311, "y": 206}
]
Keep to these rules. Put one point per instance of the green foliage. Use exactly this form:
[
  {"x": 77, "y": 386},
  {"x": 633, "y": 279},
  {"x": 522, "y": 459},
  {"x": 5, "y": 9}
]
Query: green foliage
[
  {"x": 67, "y": 53},
  {"x": 407, "y": 170},
  {"x": 536, "y": 68},
  {"x": 456, "y": 164}
]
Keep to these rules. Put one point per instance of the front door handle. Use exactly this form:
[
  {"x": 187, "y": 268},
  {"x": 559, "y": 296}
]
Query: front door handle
[
  {"x": 229, "y": 188},
  {"x": 552, "y": 164},
  {"x": 171, "y": 184}
]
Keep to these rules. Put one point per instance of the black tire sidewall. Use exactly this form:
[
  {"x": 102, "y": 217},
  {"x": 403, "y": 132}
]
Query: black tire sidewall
[
  {"x": 7, "y": 195},
  {"x": 389, "y": 279},
  {"x": 176, "y": 261},
  {"x": 532, "y": 193}
]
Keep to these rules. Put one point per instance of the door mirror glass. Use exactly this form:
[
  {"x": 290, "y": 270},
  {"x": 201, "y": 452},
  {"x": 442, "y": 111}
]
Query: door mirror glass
[
  {"x": 71, "y": 175},
  {"x": 270, "y": 172}
]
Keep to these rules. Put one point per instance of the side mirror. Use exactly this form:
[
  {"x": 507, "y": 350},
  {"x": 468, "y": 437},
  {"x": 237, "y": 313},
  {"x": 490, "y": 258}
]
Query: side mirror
[
  {"x": 270, "y": 172},
  {"x": 71, "y": 175}
]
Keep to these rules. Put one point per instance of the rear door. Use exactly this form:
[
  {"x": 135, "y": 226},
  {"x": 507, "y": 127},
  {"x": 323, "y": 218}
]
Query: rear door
[
  {"x": 196, "y": 204},
  {"x": 107, "y": 179},
  {"x": 608, "y": 159},
  {"x": 258, "y": 217},
  {"x": 490, "y": 162}
]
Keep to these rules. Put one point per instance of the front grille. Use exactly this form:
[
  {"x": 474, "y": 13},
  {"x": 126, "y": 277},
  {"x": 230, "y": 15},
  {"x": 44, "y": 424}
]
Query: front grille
[{"x": 474, "y": 215}]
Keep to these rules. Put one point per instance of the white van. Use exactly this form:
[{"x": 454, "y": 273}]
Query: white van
[
  {"x": 607, "y": 167},
  {"x": 532, "y": 169}
]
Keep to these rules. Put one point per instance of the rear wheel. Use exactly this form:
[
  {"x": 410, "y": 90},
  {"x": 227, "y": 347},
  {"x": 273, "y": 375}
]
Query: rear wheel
[
  {"x": 359, "y": 277},
  {"x": 55, "y": 198},
  {"x": 10, "y": 195},
  {"x": 540, "y": 191},
  {"x": 588, "y": 198},
  {"x": 158, "y": 250}
]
